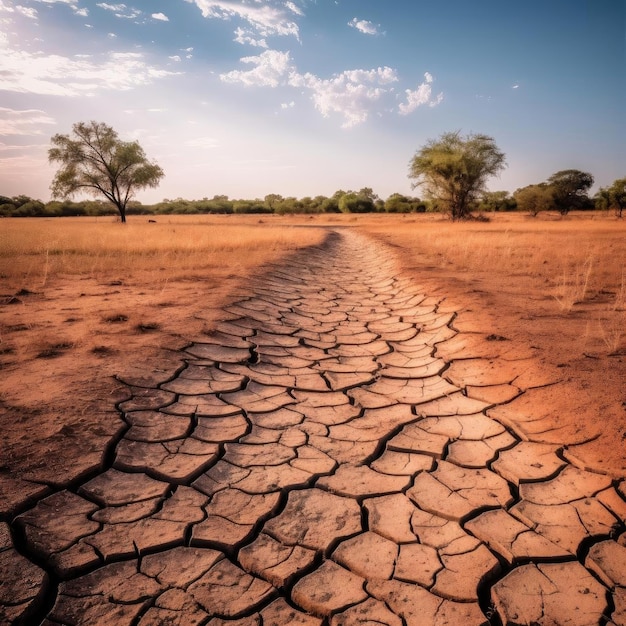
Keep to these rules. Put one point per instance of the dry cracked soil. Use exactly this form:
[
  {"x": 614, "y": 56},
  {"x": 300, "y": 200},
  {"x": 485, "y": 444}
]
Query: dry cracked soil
[{"x": 337, "y": 452}]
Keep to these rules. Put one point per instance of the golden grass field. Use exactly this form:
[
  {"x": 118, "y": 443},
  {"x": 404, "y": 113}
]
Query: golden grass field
[{"x": 85, "y": 299}]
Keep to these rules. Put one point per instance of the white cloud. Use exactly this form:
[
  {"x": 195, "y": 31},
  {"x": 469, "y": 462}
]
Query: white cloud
[
  {"x": 71, "y": 3},
  {"x": 294, "y": 9},
  {"x": 271, "y": 68},
  {"x": 247, "y": 37},
  {"x": 161, "y": 17},
  {"x": 112, "y": 7},
  {"x": 288, "y": 105},
  {"x": 421, "y": 96},
  {"x": 26, "y": 11},
  {"x": 350, "y": 94},
  {"x": 176, "y": 58},
  {"x": 516, "y": 86},
  {"x": 364, "y": 26},
  {"x": 56, "y": 75},
  {"x": 267, "y": 19},
  {"x": 120, "y": 10},
  {"x": 23, "y": 122}
]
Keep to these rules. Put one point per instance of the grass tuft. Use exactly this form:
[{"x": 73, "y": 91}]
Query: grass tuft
[{"x": 574, "y": 285}]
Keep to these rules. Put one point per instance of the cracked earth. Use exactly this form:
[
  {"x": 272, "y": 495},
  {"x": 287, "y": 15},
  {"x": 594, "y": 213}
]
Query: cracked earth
[{"x": 335, "y": 453}]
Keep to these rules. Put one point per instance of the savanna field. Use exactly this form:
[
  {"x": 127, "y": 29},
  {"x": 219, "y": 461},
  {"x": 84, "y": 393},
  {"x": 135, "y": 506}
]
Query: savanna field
[{"x": 84, "y": 299}]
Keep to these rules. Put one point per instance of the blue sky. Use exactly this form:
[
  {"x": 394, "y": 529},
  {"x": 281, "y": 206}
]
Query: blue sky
[{"x": 305, "y": 97}]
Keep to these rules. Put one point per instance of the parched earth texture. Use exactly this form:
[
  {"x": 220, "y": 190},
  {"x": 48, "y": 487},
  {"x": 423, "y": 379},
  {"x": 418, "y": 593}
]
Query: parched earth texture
[{"x": 335, "y": 453}]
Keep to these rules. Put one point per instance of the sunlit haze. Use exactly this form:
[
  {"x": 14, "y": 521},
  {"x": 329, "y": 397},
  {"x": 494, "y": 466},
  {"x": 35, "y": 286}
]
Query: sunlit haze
[{"x": 304, "y": 97}]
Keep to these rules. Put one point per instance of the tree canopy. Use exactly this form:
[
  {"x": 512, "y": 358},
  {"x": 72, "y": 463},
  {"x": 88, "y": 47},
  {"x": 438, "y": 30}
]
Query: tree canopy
[
  {"x": 569, "y": 189},
  {"x": 453, "y": 170},
  {"x": 534, "y": 198},
  {"x": 613, "y": 196},
  {"x": 95, "y": 160}
]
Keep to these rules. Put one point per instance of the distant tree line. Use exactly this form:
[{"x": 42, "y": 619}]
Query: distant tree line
[
  {"x": 363, "y": 201},
  {"x": 562, "y": 192}
]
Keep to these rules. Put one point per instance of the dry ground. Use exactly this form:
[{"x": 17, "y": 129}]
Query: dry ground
[
  {"x": 554, "y": 285},
  {"x": 83, "y": 300}
]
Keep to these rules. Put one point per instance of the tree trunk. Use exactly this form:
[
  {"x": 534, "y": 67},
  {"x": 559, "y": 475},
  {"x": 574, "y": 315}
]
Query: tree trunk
[{"x": 122, "y": 209}]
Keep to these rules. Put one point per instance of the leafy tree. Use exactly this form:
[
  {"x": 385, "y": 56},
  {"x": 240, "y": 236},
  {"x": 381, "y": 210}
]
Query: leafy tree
[
  {"x": 94, "y": 159},
  {"x": 399, "y": 203},
  {"x": 34, "y": 208},
  {"x": 454, "y": 170},
  {"x": 250, "y": 206},
  {"x": 272, "y": 199},
  {"x": 331, "y": 205},
  {"x": 368, "y": 192},
  {"x": 616, "y": 196},
  {"x": 534, "y": 198},
  {"x": 355, "y": 203},
  {"x": 7, "y": 209},
  {"x": 602, "y": 199},
  {"x": 497, "y": 201},
  {"x": 569, "y": 189}
]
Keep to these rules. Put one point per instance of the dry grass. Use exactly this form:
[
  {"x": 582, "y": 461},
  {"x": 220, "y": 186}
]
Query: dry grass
[
  {"x": 573, "y": 286},
  {"x": 33, "y": 251},
  {"x": 577, "y": 258}
]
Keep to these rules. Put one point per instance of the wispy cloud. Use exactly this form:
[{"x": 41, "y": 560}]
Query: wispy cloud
[
  {"x": 120, "y": 10},
  {"x": 69, "y": 2},
  {"x": 294, "y": 9},
  {"x": 364, "y": 26},
  {"x": 161, "y": 17},
  {"x": 421, "y": 96},
  {"x": 23, "y": 122},
  {"x": 246, "y": 36},
  {"x": 26, "y": 11},
  {"x": 266, "y": 19},
  {"x": 56, "y": 75}
]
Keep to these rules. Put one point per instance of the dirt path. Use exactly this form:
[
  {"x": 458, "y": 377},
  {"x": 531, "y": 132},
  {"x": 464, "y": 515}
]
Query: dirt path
[{"x": 336, "y": 453}]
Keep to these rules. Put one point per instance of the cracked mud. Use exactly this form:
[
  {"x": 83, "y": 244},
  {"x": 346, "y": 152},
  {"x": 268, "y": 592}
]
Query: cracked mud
[{"x": 335, "y": 453}]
